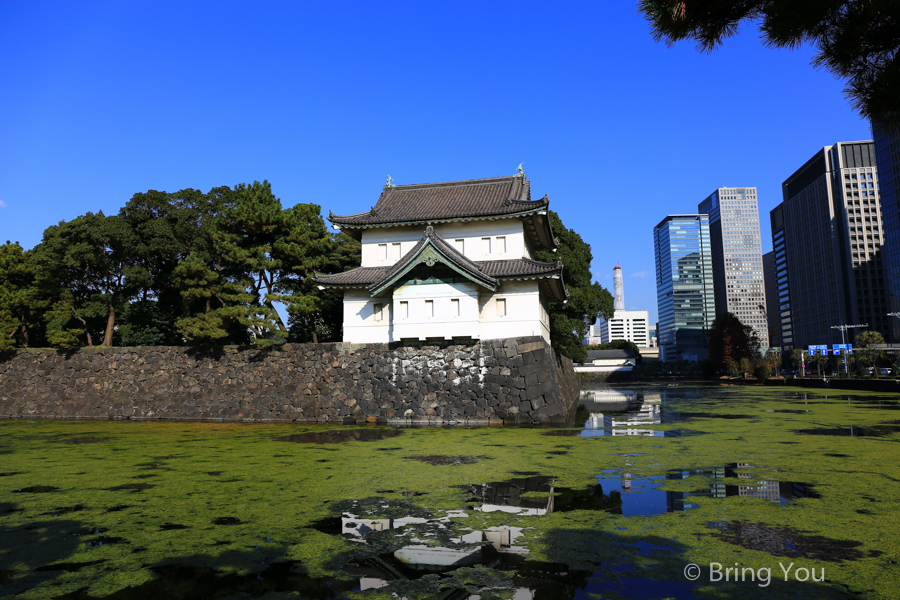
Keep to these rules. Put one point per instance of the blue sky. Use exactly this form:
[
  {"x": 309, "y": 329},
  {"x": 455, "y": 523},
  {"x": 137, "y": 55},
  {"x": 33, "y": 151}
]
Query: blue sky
[{"x": 101, "y": 100}]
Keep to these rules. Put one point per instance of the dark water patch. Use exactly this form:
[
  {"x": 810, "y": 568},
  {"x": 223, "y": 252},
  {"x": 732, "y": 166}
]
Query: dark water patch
[
  {"x": 340, "y": 436},
  {"x": 384, "y": 491},
  {"x": 147, "y": 476},
  {"x": 233, "y": 480},
  {"x": 852, "y": 431},
  {"x": 105, "y": 540},
  {"x": 784, "y": 541},
  {"x": 83, "y": 440},
  {"x": 441, "y": 460},
  {"x": 118, "y": 507},
  {"x": 387, "y": 449},
  {"x": 11, "y": 473},
  {"x": 135, "y": 487},
  {"x": 328, "y": 525},
  {"x": 89, "y": 531},
  {"x": 412, "y": 494},
  {"x": 710, "y": 415},
  {"x": 558, "y": 452},
  {"x": 214, "y": 473},
  {"x": 222, "y": 543},
  {"x": 64, "y": 510},
  {"x": 787, "y": 411},
  {"x": 182, "y": 582},
  {"x": 6, "y": 577},
  {"x": 36, "y": 489},
  {"x": 837, "y": 455},
  {"x": 8, "y": 509},
  {"x": 226, "y": 521},
  {"x": 323, "y": 460},
  {"x": 71, "y": 567},
  {"x": 528, "y": 473},
  {"x": 171, "y": 527}
]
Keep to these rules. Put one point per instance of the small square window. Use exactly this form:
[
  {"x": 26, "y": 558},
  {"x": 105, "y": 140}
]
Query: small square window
[
  {"x": 486, "y": 245},
  {"x": 501, "y": 307},
  {"x": 382, "y": 251}
]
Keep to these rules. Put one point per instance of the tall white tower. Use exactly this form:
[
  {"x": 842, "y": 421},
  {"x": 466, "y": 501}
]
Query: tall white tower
[{"x": 619, "y": 288}]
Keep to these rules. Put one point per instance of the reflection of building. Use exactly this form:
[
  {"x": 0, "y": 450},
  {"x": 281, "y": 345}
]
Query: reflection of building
[
  {"x": 450, "y": 260},
  {"x": 684, "y": 286},
  {"x": 626, "y": 422},
  {"x": 773, "y": 491},
  {"x": 737, "y": 256},
  {"x": 828, "y": 233}
]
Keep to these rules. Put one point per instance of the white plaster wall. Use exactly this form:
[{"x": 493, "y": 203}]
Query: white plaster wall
[
  {"x": 416, "y": 321},
  {"x": 524, "y": 312},
  {"x": 400, "y": 240},
  {"x": 360, "y": 326}
]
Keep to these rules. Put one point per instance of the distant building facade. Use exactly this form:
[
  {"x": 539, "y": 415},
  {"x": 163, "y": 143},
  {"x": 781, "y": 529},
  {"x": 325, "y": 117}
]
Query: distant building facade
[
  {"x": 453, "y": 260},
  {"x": 828, "y": 231},
  {"x": 629, "y": 325},
  {"x": 887, "y": 155},
  {"x": 737, "y": 256},
  {"x": 684, "y": 286},
  {"x": 773, "y": 323}
]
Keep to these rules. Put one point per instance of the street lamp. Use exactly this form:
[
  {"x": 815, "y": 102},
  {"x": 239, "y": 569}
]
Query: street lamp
[{"x": 844, "y": 328}]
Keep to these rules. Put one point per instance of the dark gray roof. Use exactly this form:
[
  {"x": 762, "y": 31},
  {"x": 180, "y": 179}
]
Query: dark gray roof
[
  {"x": 471, "y": 199},
  {"x": 607, "y": 354},
  {"x": 358, "y": 277},
  {"x": 518, "y": 267},
  {"x": 448, "y": 200}
]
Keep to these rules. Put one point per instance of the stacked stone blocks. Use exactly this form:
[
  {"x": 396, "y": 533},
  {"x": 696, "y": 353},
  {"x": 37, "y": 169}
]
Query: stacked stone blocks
[{"x": 493, "y": 382}]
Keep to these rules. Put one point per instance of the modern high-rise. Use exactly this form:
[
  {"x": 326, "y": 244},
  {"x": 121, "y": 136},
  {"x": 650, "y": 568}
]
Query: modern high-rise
[
  {"x": 887, "y": 155},
  {"x": 684, "y": 286},
  {"x": 829, "y": 231},
  {"x": 779, "y": 291},
  {"x": 773, "y": 314},
  {"x": 737, "y": 256}
]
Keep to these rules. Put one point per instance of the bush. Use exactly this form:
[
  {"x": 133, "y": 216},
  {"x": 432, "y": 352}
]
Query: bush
[{"x": 761, "y": 373}]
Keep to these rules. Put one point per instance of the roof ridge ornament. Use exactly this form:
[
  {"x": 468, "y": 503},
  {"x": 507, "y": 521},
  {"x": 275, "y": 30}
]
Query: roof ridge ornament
[
  {"x": 520, "y": 172},
  {"x": 389, "y": 180}
]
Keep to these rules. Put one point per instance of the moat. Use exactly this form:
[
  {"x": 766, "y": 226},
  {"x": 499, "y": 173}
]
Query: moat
[{"x": 650, "y": 480}]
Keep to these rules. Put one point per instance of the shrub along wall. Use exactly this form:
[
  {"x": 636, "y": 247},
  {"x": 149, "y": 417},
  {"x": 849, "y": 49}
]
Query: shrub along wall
[{"x": 518, "y": 380}]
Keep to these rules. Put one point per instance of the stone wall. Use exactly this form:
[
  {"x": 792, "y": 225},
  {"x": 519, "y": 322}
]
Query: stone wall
[{"x": 512, "y": 381}]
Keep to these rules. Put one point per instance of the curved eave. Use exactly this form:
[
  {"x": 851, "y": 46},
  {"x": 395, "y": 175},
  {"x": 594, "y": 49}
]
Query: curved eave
[{"x": 348, "y": 227}]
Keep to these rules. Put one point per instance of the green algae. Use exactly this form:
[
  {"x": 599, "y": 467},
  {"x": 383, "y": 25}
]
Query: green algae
[{"x": 245, "y": 500}]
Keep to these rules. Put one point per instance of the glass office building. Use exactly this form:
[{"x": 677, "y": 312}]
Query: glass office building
[
  {"x": 887, "y": 156},
  {"x": 684, "y": 286}
]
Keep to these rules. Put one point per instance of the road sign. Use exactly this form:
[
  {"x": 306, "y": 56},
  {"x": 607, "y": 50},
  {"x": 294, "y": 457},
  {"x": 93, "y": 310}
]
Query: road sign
[
  {"x": 837, "y": 348},
  {"x": 821, "y": 349}
]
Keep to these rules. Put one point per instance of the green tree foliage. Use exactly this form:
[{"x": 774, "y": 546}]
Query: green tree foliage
[
  {"x": 275, "y": 252},
  {"x": 587, "y": 299},
  {"x": 869, "y": 352},
  {"x": 857, "y": 41},
  {"x": 761, "y": 373},
  {"x": 21, "y": 300},
  {"x": 730, "y": 342},
  {"x": 325, "y": 325},
  {"x": 92, "y": 257}
]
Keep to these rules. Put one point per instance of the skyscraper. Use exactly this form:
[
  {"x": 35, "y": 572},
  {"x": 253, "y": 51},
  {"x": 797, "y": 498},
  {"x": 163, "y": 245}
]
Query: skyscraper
[
  {"x": 684, "y": 286},
  {"x": 831, "y": 234},
  {"x": 887, "y": 155},
  {"x": 773, "y": 315},
  {"x": 737, "y": 256}
]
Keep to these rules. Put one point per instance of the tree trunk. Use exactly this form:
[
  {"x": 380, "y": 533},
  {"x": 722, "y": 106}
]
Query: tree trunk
[
  {"x": 110, "y": 324},
  {"x": 315, "y": 336},
  {"x": 24, "y": 333},
  {"x": 277, "y": 316}
]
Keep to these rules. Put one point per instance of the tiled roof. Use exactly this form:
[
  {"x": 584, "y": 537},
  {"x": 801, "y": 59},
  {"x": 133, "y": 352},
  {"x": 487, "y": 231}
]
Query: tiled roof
[
  {"x": 426, "y": 202},
  {"x": 518, "y": 267},
  {"x": 358, "y": 277}
]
